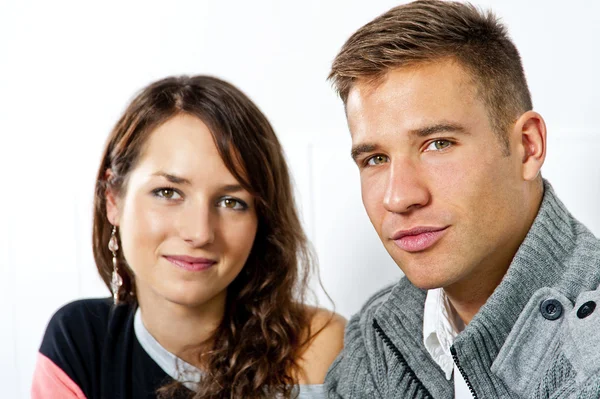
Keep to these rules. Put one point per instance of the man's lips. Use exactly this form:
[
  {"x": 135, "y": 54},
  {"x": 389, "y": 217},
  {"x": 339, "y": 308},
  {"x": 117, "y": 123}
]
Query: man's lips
[
  {"x": 419, "y": 238},
  {"x": 190, "y": 263}
]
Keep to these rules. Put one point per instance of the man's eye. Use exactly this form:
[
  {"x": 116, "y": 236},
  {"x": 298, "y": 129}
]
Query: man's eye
[
  {"x": 232, "y": 203},
  {"x": 167, "y": 193},
  {"x": 438, "y": 145},
  {"x": 377, "y": 160}
]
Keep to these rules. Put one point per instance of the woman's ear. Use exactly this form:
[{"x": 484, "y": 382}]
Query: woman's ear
[
  {"x": 112, "y": 208},
  {"x": 531, "y": 129}
]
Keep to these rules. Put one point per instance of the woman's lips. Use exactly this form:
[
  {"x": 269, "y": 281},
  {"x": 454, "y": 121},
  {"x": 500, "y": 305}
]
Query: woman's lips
[
  {"x": 190, "y": 263},
  {"x": 419, "y": 238}
]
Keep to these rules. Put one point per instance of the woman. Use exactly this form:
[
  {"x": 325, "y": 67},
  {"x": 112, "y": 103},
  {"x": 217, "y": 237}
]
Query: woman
[{"x": 197, "y": 236}]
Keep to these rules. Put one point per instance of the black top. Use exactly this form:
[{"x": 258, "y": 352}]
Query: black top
[{"x": 94, "y": 343}]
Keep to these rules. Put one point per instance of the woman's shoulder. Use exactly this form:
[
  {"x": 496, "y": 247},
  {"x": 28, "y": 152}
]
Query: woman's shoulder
[
  {"x": 84, "y": 308},
  {"x": 71, "y": 350},
  {"x": 80, "y": 314},
  {"x": 325, "y": 323},
  {"x": 76, "y": 325},
  {"x": 326, "y": 340},
  {"x": 81, "y": 327}
]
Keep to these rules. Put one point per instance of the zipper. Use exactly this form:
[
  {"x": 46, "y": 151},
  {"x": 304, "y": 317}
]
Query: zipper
[
  {"x": 462, "y": 371},
  {"x": 411, "y": 374}
]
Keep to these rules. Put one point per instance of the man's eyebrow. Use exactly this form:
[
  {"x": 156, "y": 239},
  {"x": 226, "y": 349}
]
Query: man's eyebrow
[
  {"x": 360, "y": 149},
  {"x": 425, "y": 131},
  {"x": 438, "y": 128},
  {"x": 172, "y": 178}
]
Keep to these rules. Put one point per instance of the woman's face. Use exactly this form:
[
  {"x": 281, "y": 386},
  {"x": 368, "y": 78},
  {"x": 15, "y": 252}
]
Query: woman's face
[{"x": 186, "y": 225}]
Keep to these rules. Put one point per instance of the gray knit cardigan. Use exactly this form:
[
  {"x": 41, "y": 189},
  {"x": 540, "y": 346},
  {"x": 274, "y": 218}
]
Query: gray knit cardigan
[{"x": 537, "y": 336}]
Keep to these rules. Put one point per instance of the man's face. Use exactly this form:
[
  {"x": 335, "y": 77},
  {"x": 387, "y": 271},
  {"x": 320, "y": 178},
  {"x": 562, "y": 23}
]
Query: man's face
[{"x": 447, "y": 201}]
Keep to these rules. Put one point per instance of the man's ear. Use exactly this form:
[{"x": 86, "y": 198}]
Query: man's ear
[
  {"x": 112, "y": 208},
  {"x": 530, "y": 131}
]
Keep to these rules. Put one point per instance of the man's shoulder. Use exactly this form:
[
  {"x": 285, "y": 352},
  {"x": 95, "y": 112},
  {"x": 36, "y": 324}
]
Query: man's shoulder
[
  {"x": 351, "y": 374},
  {"x": 580, "y": 266},
  {"x": 559, "y": 251},
  {"x": 364, "y": 368},
  {"x": 585, "y": 254},
  {"x": 378, "y": 298},
  {"x": 380, "y": 303},
  {"x": 374, "y": 302}
]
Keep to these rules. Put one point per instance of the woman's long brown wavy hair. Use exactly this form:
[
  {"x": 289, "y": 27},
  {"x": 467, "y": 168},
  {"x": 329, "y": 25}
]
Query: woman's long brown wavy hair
[{"x": 254, "y": 351}]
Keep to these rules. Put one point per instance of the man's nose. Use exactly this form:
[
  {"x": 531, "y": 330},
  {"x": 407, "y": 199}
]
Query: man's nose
[{"x": 406, "y": 188}]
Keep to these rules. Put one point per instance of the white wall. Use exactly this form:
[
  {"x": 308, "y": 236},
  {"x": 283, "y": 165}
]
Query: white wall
[{"x": 67, "y": 69}]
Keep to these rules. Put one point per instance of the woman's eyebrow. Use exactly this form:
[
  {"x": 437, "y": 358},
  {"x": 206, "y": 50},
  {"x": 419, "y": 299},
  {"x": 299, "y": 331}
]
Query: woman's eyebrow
[
  {"x": 232, "y": 188},
  {"x": 172, "y": 178}
]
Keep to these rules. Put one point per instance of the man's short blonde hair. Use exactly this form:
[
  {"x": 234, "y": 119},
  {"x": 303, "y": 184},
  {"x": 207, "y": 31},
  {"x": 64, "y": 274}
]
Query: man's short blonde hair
[{"x": 430, "y": 30}]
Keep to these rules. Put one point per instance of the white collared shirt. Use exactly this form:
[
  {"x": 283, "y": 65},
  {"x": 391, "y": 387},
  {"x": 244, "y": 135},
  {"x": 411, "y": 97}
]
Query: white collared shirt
[{"x": 441, "y": 325}]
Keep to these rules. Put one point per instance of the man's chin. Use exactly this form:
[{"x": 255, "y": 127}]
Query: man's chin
[
  {"x": 426, "y": 280},
  {"x": 425, "y": 285},
  {"x": 426, "y": 270}
]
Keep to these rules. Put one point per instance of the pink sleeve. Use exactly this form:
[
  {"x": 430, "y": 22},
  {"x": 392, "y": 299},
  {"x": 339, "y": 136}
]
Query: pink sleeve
[{"x": 50, "y": 382}]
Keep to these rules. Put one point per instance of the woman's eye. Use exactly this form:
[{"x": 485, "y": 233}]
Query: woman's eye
[
  {"x": 232, "y": 203},
  {"x": 167, "y": 193},
  {"x": 438, "y": 145},
  {"x": 377, "y": 160}
]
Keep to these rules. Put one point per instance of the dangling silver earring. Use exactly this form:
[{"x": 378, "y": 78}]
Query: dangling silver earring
[{"x": 116, "y": 282}]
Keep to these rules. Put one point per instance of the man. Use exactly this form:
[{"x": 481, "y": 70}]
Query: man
[{"x": 500, "y": 287}]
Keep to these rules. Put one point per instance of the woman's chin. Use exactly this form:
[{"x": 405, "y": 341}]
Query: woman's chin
[{"x": 190, "y": 298}]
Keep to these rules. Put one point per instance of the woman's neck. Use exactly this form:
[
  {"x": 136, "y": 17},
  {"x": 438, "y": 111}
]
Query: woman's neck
[{"x": 181, "y": 329}]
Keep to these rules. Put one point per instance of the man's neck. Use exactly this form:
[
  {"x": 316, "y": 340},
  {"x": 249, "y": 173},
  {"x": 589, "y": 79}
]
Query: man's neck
[
  {"x": 469, "y": 295},
  {"x": 180, "y": 329}
]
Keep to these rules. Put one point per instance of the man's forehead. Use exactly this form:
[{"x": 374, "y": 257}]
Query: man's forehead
[
  {"x": 449, "y": 68},
  {"x": 423, "y": 90},
  {"x": 363, "y": 89}
]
